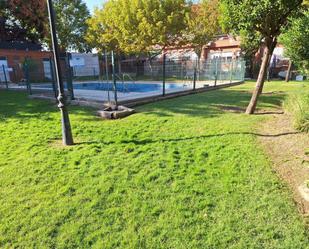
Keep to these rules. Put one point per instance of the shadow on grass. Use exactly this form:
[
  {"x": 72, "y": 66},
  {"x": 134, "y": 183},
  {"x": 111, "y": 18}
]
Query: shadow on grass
[
  {"x": 17, "y": 105},
  {"x": 207, "y": 104},
  {"x": 151, "y": 141}
]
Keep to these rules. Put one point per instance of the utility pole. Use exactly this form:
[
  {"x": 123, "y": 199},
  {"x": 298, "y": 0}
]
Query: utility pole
[{"x": 67, "y": 137}]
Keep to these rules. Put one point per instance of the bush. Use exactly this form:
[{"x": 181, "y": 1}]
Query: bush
[{"x": 297, "y": 105}]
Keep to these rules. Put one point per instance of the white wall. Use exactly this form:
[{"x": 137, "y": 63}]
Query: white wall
[
  {"x": 85, "y": 64},
  {"x": 5, "y": 63}
]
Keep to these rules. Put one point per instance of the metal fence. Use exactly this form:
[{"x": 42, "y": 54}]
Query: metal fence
[{"x": 134, "y": 77}]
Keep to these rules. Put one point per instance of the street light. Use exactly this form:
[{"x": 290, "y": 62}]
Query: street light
[{"x": 67, "y": 137}]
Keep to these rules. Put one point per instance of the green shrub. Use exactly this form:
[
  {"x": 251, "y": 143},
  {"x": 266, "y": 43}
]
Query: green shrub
[{"x": 297, "y": 105}]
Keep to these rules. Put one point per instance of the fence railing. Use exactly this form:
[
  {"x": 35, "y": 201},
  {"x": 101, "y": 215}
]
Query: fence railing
[{"x": 135, "y": 78}]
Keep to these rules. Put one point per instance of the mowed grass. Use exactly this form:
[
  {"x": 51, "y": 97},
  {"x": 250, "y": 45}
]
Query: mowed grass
[{"x": 178, "y": 174}]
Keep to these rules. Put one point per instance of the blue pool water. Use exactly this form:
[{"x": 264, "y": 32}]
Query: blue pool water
[{"x": 127, "y": 87}]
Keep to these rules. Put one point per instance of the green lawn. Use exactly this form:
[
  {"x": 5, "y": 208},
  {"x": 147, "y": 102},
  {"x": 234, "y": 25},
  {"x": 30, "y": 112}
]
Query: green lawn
[{"x": 179, "y": 174}]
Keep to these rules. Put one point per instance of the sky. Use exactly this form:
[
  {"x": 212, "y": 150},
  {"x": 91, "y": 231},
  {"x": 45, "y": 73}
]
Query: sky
[{"x": 92, "y": 3}]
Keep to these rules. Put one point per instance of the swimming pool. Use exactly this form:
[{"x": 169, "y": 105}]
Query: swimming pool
[{"x": 127, "y": 87}]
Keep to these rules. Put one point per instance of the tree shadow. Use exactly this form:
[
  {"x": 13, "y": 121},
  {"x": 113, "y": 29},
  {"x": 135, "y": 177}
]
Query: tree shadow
[
  {"x": 183, "y": 139},
  {"x": 17, "y": 105},
  {"x": 208, "y": 104},
  {"x": 205, "y": 105}
]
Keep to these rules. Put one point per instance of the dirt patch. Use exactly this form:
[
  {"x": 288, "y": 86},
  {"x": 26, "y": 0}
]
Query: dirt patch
[{"x": 288, "y": 153}]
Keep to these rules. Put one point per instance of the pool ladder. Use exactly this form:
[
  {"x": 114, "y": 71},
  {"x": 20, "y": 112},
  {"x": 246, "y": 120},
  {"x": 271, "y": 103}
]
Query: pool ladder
[{"x": 122, "y": 78}]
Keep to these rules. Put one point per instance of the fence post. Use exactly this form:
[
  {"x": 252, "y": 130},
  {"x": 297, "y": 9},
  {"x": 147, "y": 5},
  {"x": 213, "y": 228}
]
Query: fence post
[
  {"x": 216, "y": 72},
  {"x": 231, "y": 71},
  {"x": 114, "y": 81},
  {"x": 74, "y": 71},
  {"x": 15, "y": 75},
  {"x": 69, "y": 76},
  {"x": 164, "y": 72},
  {"x": 53, "y": 77},
  {"x": 5, "y": 78},
  {"x": 194, "y": 76},
  {"x": 243, "y": 71},
  {"x": 27, "y": 78},
  {"x": 107, "y": 76},
  {"x": 220, "y": 70}
]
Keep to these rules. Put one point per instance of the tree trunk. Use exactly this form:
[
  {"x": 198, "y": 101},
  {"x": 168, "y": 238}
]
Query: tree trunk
[
  {"x": 269, "y": 49},
  {"x": 119, "y": 64},
  {"x": 198, "y": 52},
  {"x": 198, "y": 67},
  {"x": 288, "y": 73}
]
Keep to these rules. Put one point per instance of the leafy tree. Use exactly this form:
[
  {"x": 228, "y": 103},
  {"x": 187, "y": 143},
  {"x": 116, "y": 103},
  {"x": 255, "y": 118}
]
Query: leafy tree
[
  {"x": 135, "y": 26},
  {"x": 71, "y": 22},
  {"x": 296, "y": 41},
  {"x": 22, "y": 20},
  {"x": 28, "y": 21},
  {"x": 265, "y": 17},
  {"x": 250, "y": 44},
  {"x": 203, "y": 24}
]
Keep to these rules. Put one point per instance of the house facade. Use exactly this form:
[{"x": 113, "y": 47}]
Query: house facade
[
  {"x": 12, "y": 61},
  {"x": 225, "y": 47},
  {"x": 14, "y": 57}
]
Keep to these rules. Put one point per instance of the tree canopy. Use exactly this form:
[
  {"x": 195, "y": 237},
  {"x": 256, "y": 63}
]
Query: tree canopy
[
  {"x": 202, "y": 24},
  {"x": 266, "y": 20},
  {"x": 28, "y": 21},
  {"x": 135, "y": 26},
  {"x": 22, "y": 20},
  {"x": 71, "y": 22},
  {"x": 296, "y": 41}
]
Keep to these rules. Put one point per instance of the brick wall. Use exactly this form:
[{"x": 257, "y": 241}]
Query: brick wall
[{"x": 16, "y": 58}]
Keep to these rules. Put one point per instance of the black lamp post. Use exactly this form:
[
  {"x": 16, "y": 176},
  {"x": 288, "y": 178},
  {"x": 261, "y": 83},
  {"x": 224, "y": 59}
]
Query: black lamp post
[{"x": 67, "y": 137}]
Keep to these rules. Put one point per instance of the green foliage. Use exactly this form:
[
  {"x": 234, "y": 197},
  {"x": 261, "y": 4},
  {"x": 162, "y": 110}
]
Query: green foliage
[
  {"x": 202, "y": 24},
  {"x": 263, "y": 19},
  {"x": 30, "y": 65},
  {"x": 22, "y": 20},
  {"x": 71, "y": 24},
  {"x": 298, "y": 105},
  {"x": 296, "y": 41},
  {"x": 137, "y": 25},
  {"x": 30, "y": 22},
  {"x": 178, "y": 174}
]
